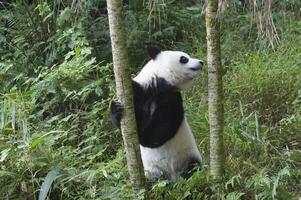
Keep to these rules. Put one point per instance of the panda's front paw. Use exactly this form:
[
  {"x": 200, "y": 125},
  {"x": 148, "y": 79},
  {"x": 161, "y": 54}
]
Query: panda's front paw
[
  {"x": 117, "y": 107},
  {"x": 116, "y": 112}
]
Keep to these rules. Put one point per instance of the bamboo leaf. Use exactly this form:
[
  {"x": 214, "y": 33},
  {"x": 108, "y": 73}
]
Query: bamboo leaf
[
  {"x": 51, "y": 176},
  {"x": 281, "y": 173},
  {"x": 13, "y": 116},
  {"x": 40, "y": 139},
  {"x": 4, "y": 154}
]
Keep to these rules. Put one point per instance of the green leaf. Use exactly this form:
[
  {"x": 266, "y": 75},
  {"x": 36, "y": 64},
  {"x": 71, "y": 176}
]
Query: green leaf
[
  {"x": 64, "y": 16},
  {"x": 4, "y": 154},
  {"x": 77, "y": 51},
  {"x": 234, "y": 196},
  {"x": 280, "y": 174},
  {"x": 40, "y": 139},
  {"x": 51, "y": 176}
]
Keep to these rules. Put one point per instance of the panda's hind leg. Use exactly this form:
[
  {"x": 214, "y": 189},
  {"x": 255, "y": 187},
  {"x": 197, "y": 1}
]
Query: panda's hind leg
[{"x": 190, "y": 167}]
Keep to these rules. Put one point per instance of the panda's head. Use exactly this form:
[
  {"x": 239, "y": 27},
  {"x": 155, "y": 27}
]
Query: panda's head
[{"x": 176, "y": 67}]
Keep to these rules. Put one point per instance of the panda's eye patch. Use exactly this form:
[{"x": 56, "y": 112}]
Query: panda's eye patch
[{"x": 184, "y": 60}]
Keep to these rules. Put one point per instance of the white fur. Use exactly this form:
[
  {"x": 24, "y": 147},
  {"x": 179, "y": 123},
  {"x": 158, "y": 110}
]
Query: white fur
[
  {"x": 170, "y": 157},
  {"x": 167, "y": 65}
]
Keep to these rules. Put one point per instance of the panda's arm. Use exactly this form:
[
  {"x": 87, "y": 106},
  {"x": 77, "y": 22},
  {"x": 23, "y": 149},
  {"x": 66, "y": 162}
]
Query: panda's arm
[
  {"x": 164, "y": 117},
  {"x": 116, "y": 108},
  {"x": 116, "y": 113},
  {"x": 159, "y": 113}
]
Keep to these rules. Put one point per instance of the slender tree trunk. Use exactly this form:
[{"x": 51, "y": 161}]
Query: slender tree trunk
[
  {"x": 215, "y": 90},
  {"x": 125, "y": 94}
]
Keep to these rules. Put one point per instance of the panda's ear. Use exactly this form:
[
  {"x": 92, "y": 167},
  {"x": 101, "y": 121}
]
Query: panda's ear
[{"x": 153, "y": 51}]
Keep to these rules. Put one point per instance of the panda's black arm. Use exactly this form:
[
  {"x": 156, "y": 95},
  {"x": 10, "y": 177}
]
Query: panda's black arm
[
  {"x": 116, "y": 108},
  {"x": 116, "y": 113},
  {"x": 162, "y": 121},
  {"x": 158, "y": 109}
]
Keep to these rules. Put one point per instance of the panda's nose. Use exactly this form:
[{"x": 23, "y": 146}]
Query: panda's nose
[{"x": 201, "y": 64}]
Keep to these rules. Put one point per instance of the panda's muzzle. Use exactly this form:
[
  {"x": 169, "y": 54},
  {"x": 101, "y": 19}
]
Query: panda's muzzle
[{"x": 199, "y": 67}]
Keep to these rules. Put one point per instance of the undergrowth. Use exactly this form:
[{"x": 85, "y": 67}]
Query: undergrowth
[{"x": 56, "y": 82}]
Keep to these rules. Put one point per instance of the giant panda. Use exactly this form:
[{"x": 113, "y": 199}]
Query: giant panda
[{"x": 168, "y": 148}]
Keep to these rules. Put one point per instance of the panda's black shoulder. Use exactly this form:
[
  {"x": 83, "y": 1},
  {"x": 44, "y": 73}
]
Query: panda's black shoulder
[
  {"x": 155, "y": 87},
  {"x": 159, "y": 111}
]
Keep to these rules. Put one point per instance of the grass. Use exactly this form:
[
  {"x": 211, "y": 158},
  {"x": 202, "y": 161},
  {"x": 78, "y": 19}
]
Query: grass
[
  {"x": 82, "y": 154},
  {"x": 262, "y": 126}
]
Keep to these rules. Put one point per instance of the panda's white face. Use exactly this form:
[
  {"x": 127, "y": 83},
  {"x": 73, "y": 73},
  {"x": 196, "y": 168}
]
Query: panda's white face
[{"x": 176, "y": 67}]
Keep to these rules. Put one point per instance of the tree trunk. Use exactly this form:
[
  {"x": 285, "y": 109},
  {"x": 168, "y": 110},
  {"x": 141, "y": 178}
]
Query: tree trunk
[
  {"x": 215, "y": 90},
  {"x": 125, "y": 94}
]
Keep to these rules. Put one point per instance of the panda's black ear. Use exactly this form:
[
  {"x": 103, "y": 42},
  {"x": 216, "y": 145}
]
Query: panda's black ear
[{"x": 153, "y": 51}]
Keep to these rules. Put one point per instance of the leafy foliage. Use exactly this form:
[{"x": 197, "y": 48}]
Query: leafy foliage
[{"x": 56, "y": 82}]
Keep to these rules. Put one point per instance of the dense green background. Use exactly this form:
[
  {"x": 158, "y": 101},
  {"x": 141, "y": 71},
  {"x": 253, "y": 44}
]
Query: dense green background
[{"x": 56, "y": 82}]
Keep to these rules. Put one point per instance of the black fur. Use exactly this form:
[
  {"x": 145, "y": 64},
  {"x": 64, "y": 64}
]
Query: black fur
[
  {"x": 191, "y": 166},
  {"x": 158, "y": 109},
  {"x": 116, "y": 113},
  {"x": 153, "y": 51}
]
